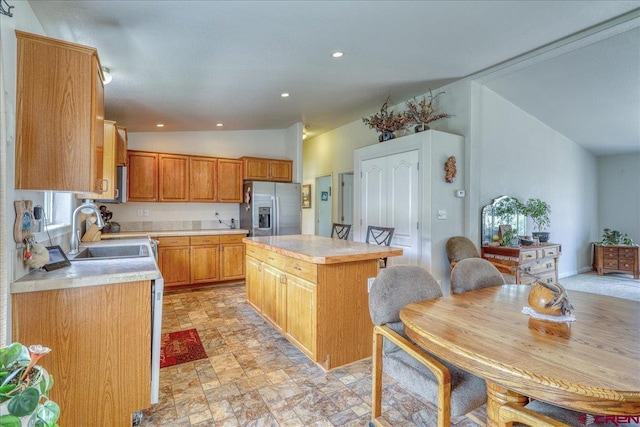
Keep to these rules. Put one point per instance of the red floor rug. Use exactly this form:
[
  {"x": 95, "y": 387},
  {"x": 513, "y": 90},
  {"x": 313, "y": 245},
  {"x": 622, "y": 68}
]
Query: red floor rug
[{"x": 181, "y": 347}]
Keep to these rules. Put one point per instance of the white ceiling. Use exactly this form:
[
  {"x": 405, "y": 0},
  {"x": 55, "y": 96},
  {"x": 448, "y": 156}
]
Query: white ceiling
[{"x": 193, "y": 64}]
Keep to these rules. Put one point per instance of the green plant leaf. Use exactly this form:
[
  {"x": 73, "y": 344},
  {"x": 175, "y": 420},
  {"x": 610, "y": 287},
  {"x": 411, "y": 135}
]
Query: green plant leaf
[
  {"x": 9, "y": 421},
  {"x": 14, "y": 352},
  {"x": 49, "y": 413},
  {"x": 24, "y": 403}
]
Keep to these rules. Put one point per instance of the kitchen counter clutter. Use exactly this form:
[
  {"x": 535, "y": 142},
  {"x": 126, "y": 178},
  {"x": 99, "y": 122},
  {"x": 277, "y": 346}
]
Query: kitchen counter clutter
[
  {"x": 92, "y": 273},
  {"x": 165, "y": 233},
  {"x": 314, "y": 291},
  {"x": 102, "y": 319}
]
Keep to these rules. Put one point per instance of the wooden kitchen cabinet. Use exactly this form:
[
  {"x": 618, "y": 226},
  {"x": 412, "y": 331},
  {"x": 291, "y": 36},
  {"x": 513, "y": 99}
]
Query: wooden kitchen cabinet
[
  {"x": 254, "y": 283},
  {"x": 122, "y": 142},
  {"x": 301, "y": 315},
  {"x": 173, "y": 178},
  {"x": 205, "y": 259},
  {"x": 274, "y": 288},
  {"x": 203, "y": 179},
  {"x": 109, "y": 168},
  {"x": 142, "y": 181},
  {"x": 260, "y": 169},
  {"x": 100, "y": 337},
  {"x": 232, "y": 256},
  {"x": 174, "y": 260},
  {"x": 59, "y": 115},
  {"x": 229, "y": 181},
  {"x": 616, "y": 259}
]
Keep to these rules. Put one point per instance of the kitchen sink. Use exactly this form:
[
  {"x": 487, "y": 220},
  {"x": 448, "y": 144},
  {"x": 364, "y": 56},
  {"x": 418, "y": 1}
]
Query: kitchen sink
[{"x": 111, "y": 252}]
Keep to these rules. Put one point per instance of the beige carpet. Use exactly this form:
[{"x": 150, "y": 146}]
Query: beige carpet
[{"x": 616, "y": 285}]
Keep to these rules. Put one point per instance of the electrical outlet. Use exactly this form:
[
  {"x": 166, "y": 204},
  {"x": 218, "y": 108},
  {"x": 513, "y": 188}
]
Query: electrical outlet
[
  {"x": 442, "y": 214},
  {"x": 139, "y": 213},
  {"x": 146, "y": 212}
]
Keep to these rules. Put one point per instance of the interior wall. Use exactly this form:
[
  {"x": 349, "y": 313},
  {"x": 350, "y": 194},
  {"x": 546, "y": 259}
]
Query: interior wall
[
  {"x": 522, "y": 157},
  {"x": 618, "y": 194}
]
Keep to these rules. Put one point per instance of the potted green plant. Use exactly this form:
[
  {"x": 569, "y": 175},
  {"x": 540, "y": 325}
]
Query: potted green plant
[
  {"x": 615, "y": 237},
  {"x": 506, "y": 209},
  {"x": 24, "y": 388},
  {"x": 421, "y": 113},
  {"x": 538, "y": 210},
  {"x": 386, "y": 122}
]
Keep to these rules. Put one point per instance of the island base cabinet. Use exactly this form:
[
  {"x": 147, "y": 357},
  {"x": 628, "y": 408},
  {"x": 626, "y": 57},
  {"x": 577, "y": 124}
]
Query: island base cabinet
[
  {"x": 321, "y": 308},
  {"x": 100, "y": 340}
]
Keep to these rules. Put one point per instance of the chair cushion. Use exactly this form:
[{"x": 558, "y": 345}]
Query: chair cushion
[
  {"x": 467, "y": 391},
  {"x": 459, "y": 248},
  {"x": 474, "y": 273},
  {"x": 398, "y": 286}
]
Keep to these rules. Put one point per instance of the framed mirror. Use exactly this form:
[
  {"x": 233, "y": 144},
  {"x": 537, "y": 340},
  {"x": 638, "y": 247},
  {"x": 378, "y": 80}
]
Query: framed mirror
[{"x": 503, "y": 210}]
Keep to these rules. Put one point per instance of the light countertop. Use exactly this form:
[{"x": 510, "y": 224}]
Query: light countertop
[
  {"x": 163, "y": 233},
  {"x": 322, "y": 250},
  {"x": 92, "y": 273}
]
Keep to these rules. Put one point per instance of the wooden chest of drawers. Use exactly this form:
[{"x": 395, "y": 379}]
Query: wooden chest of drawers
[
  {"x": 530, "y": 263},
  {"x": 616, "y": 259}
]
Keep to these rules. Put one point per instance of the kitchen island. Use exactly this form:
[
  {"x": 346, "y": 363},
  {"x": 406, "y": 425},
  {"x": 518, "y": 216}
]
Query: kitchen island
[{"x": 314, "y": 291}]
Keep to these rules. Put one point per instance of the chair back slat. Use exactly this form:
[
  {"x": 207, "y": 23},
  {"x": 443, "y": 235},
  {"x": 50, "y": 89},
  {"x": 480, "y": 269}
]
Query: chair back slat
[{"x": 341, "y": 231}]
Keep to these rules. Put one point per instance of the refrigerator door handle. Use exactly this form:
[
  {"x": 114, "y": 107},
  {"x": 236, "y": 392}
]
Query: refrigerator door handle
[{"x": 277, "y": 214}]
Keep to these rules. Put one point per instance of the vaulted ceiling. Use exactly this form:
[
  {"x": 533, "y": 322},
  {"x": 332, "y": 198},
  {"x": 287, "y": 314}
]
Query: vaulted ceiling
[{"x": 195, "y": 64}]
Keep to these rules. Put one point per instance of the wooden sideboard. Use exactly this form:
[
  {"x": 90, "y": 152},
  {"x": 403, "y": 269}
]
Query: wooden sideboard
[
  {"x": 616, "y": 259},
  {"x": 530, "y": 263}
]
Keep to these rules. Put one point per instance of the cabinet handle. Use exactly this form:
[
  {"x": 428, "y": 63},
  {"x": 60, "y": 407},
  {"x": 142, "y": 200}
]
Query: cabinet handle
[{"x": 297, "y": 268}]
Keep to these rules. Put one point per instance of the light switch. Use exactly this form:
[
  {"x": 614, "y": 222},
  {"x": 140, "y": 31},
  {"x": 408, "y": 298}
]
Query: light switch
[
  {"x": 146, "y": 212},
  {"x": 442, "y": 214},
  {"x": 139, "y": 212}
]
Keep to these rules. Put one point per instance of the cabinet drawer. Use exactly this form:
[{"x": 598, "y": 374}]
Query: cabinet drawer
[
  {"x": 610, "y": 255},
  {"x": 549, "y": 252},
  {"x": 303, "y": 269},
  {"x": 544, "y": 278},
  {"x": 231, "y": 238},
  {"x": 205, "y": 240},
  {"x": 173, "y": 241},
  {"x": 528, "y": 255},
  {"x": 608, "y": 251},
  {"x": 538, "y": 267},
  {"x": 274, "y": 259},
  {"x": 611, "y": 263},
  {"x": 626, "y": 264},
  {"x": 255, "y": 252},
  {"x": 627, "y": 252}
]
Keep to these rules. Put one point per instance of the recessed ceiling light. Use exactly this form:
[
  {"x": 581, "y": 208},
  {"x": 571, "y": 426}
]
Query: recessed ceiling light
[
  {"x": 160, "y": 125},
  {"x": 337, "y": 54},
  {"x": 219, "y": 125},
  {"x": 284, "y": 95}
]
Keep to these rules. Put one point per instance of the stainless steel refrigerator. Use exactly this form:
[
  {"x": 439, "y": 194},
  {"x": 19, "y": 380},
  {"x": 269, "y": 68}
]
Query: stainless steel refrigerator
[{"x": 271, "y": 208}]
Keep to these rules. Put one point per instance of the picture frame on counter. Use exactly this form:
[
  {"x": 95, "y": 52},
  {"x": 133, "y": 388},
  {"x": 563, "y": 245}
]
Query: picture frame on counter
[{"x": 306, "y": 196}]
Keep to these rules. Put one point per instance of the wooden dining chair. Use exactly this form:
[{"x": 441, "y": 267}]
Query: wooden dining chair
[
  {"x": 474, "y": 273},
  {"x": 460, "y": 247},
  {"x": 341, "y": 231},
  {"x": 538, "y": 414},
  {"x": 380, "y": 236},
  {"x": 454, "y": 391}
]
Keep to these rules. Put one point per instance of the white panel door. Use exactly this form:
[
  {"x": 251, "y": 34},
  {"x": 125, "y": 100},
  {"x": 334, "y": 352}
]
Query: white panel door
[{"x": 390, "y": 199}]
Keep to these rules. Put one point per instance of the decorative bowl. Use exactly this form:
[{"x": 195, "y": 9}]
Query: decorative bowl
[{"x": 550, "y": 299}]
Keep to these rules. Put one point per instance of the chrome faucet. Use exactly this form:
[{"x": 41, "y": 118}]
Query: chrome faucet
[{"x": 75, "y": 233}]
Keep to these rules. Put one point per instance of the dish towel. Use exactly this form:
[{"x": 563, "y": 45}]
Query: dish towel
[{"x": 531, "y": 312}]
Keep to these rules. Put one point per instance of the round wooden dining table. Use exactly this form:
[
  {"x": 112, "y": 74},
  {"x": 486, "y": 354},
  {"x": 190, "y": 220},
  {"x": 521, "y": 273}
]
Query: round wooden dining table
[{"x": 590, "y": 365}]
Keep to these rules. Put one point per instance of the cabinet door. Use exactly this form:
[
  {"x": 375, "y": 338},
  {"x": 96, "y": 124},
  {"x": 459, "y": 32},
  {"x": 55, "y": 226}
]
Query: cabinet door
[
  {"x": 59, "y": 115},
  {"x": 229, "y": 181},
  {"x": 108, "y": 156},
  {"x": 174, "y": 264},
  {"x": 203, "y": 179},
  {"x": 301, "y": 313},
  {"x": 142, "y": 177},
  {"x": 173, "y": 178},
  {"x": 205, "y": 264},
  {"x": 256, "y": 169},
  {"x": 254, "y": 283},
  {"x": 281, "y": 170},
  {"x": 273, "y": 293},
  {"x": 232, "y": 261},
  {"x": 122, "y": 141}
]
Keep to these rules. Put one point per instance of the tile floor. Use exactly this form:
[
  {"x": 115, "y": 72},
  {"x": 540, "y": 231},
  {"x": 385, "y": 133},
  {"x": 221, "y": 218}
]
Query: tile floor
[{"x": 255, "y": 377}]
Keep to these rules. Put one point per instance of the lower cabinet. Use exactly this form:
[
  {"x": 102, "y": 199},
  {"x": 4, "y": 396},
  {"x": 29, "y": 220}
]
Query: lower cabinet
[
  {"x": 321, "y": 309},
  {"x": 194, "y": 260}
]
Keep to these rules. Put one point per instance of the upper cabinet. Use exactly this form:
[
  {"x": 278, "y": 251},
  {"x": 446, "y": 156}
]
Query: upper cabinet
[
  {"x": 122, "y": 159},
  {"x": 142, "y": 182},
  {"x": 165, "y": 177},
  {"x": 259, "y": 169},
  {"x": 108, "y": 155},
  {"x": 59, "y": 116},
  {"x": 229, "y": 181},
  {"x": 173, "y": 173}
]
